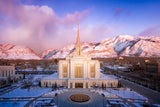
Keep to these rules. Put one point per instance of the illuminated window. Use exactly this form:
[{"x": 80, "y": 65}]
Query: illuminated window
[
  {"x": 65, "y": 71},
  {"x": 78, "y": 72},
  {"x": 92, "y": 71}
]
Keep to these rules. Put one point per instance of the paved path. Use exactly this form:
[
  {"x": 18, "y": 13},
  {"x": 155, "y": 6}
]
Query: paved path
[
  {"x": 153, "y": 96},
  {"x": 95, "y": 101}
]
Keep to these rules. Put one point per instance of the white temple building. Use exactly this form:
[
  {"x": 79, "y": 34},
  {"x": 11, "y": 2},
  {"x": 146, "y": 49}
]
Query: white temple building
[{"x": 78, "y": 70}]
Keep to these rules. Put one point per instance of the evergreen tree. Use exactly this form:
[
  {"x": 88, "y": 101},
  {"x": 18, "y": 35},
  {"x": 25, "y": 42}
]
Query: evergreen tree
[
  {"x": 56, "y": 61},
  {"x": 39, "y": 83},
  {"x": 119, "y": 85},
  {"x": 102, "y": 86},
  {"x": 111, "y": 85},
  {"x": 46, "y": 84},
  {"x": 55, "y": 85}
]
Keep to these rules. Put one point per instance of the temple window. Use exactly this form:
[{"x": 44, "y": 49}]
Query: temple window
[
  {"x": 92, "y": 71},
  {"x": 78, "y": 72},
  {"x": 65, "y": 71}
]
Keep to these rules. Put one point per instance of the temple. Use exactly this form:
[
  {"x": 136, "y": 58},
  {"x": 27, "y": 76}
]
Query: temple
[{"x": 78, "y": 70}]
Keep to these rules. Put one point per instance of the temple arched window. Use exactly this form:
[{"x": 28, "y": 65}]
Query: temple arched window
[
  {"x": 78, "y": 71},
  {"x": 65, "y": 71},
  {"x": 92, "y": 71}
]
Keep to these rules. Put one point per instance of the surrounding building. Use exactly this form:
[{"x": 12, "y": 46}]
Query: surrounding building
[
  {"x": 7, "y": 75},
  {"x": 7, "y": 71},
  {"x": 78, "y": 70},
  {"x": 158, "y": 65}
]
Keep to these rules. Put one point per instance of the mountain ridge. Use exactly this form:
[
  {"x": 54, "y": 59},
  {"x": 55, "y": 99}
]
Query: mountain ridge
[
  {"x": 9, "y": 51},
  {"x": 122, "y": 45}
]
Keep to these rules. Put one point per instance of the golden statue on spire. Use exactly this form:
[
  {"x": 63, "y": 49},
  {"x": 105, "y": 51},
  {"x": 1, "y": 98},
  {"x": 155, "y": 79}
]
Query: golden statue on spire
[{"x": 78, "y": 43}]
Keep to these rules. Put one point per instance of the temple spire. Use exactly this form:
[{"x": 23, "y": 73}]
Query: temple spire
[{"x": 78, "y": 43}]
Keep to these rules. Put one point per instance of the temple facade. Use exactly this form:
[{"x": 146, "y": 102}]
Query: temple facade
[{"x": 78, "y": 70}]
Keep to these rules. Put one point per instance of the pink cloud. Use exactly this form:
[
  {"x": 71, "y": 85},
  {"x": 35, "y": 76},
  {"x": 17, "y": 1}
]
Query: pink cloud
[
  {"x": 94, "y": 33},
  {"x": 39, "y": 28},
  {"x": 151, "y": 31},
  {"x": 118, "y": 11},
  {"x": 73, "y": 18},
  {"x": 121, "y": 12},
  {"x": 36, "y": 26}
]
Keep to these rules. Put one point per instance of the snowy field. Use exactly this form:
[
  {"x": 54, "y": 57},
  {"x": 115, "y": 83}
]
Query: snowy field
[
  {"x": 26, "y": 92},
  {"x": 127, "y": 94},
  {"x": 16, "y": 96},
  {"x": 13, "y": 104},
  {"x": 21, "y": 93}
]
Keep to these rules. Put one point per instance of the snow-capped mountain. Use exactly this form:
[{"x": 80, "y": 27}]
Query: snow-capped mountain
[
  {"x": 122, "y": 45},
  {"x": 143, "y": 47},
  {"x": 92, "y": 49},
  {"x": 9, "y": 51}
]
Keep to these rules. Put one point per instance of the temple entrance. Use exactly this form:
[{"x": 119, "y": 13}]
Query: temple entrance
[{"x": 78, "y": 85}]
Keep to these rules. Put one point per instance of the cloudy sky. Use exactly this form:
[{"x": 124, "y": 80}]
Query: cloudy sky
[{"x": 44, "y": 24}]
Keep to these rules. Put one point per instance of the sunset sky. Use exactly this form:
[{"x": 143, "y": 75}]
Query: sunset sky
[{"x": 44, "y": 24}]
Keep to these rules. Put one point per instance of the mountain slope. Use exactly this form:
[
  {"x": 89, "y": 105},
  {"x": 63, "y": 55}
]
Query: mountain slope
[
  {"x": 143, "y": 48},
  {"x": 8, "y": 51},
  {"x": 122, "y": 45}
]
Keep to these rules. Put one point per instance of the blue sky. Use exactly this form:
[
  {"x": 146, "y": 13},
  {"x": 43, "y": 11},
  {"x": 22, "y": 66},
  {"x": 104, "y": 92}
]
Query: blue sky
[
  {"x": 51, "y": 20},
  {"x": 132, "y": 16}
]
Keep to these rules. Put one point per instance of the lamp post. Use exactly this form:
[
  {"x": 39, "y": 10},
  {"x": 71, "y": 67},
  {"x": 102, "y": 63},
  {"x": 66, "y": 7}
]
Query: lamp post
[
  {"x": 103, "y": 100},
  {"x": 57, "y": 98}
]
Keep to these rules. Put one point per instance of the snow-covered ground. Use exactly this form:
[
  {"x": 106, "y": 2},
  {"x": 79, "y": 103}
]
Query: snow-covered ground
[
  {"x": 125, "y": 93},
  {"x": 46, "y": 100},
  {"x": 26, "y": 92},
  {"x": 111, "y": 67},
  {"x": 121, "y": 95},
  {"x": 45, "y": 103},
  {"x": 52, "y": 76},
  {"x": 15, "y": 96},
  {"x": 53, "y": 93},
  {"x": 103, "y": 76},
  {"x": 104, "y": 92},
  {"x": 113, "y": 94},
  {"x": 13, "y": 104},
  {"x": 37, "y": 77}
]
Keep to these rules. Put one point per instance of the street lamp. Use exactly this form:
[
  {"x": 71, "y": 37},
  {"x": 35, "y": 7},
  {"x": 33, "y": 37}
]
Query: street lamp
[{"x": 103, "y": 99}]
